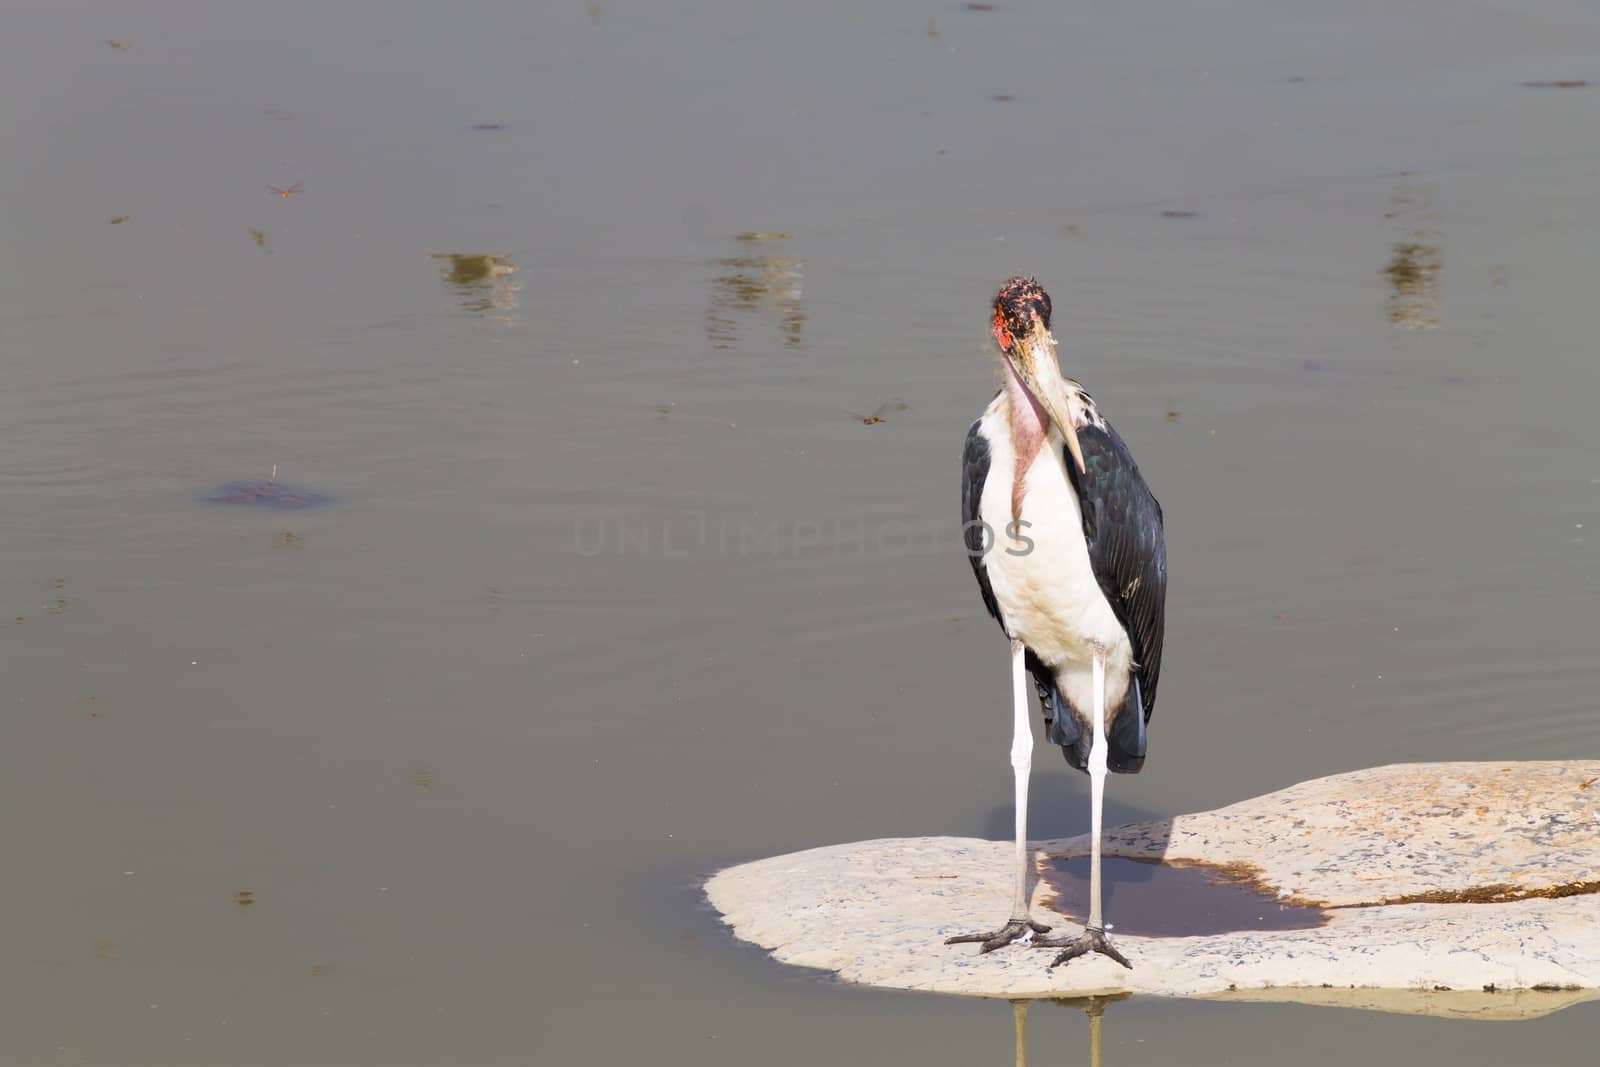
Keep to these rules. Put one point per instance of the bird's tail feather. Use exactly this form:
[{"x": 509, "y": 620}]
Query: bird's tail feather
[
  {"x": 1125, "y": 741},
  {"x": 1061, "y": 726}
]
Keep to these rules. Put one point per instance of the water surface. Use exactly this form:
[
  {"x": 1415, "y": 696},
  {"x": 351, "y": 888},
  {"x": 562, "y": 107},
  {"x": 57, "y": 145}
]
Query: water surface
[{"x": 616, "y": 586}]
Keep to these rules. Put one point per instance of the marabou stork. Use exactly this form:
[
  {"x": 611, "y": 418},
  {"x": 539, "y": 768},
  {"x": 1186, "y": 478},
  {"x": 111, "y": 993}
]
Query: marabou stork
[{"x": 1066, "y": 541}]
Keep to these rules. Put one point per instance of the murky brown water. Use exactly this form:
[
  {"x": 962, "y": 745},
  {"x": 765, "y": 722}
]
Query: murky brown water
[
  {"x": 1171, "y": 899},
  {"x": 617, "y": 587}
]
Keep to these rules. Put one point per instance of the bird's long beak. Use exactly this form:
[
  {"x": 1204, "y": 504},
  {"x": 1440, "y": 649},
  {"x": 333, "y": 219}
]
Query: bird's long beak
[{"x": 1034, "y": 359}]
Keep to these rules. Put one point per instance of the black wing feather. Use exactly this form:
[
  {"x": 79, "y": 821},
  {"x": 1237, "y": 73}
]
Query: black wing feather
[
  {"x": 1127, "y": 548},
  {"x": 974, "y": 472}
]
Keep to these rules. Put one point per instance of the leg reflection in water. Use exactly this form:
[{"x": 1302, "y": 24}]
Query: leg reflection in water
[{"x": 1093, "y": 1007}]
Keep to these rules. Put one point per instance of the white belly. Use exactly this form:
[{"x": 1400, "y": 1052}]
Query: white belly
[{"x": 1042, "y": 579}]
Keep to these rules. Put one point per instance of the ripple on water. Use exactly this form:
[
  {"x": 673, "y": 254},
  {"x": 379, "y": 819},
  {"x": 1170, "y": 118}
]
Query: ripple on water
[{"x": 269, "y": 494}]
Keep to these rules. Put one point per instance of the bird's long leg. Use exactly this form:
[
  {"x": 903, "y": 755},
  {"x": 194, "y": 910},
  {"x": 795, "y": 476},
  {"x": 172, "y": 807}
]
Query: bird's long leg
[
  {"x": 1093, "y": 938},
  {"x": 1097, "y": 789},
  {"x": 1020, "y": 926},
  {"x": 1021, "y": 770}
]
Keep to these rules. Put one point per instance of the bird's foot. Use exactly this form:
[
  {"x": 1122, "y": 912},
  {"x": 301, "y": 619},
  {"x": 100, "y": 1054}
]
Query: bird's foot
[
  {"x": 1017, "y": 931},
  {"x": 1093, "y": 939}
]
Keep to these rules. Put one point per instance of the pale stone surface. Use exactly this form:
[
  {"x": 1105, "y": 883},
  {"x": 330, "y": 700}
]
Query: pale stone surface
[{"x": 1362, "y": 843}]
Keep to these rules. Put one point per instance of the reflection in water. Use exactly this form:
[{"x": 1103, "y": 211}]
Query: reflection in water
[
  {"x": 1415, "y": 263},
  {"x": 749, "y": 285},
  {"x": 486, "y": 284},
  {"x": 1093, "y": 1007}
]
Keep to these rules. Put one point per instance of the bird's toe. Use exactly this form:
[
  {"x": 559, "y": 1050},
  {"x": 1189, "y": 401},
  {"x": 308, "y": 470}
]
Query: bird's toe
[
  {"x": 1091, "y": 940},
  {"x": 1016, "y": 931}
]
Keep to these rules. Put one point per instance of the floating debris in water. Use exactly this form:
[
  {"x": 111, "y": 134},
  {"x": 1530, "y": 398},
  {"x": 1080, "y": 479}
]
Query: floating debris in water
[
  {"x": 276, "y": 114},
  {"x": 472, "y": 268},
  {"x": 1571, "y": 84},
  {"x": 1180, "y": 214},
  {"x": 268, "y": 494},
  {"x": 289, "y": 537},
  {"x": 244, "y": 898},
  {"x": 1415, "y": 263},
  {"x": 120, "y": 219},
  {"x": 118, "y": 44},
  {"x": 485, "y": 282},
  {"x": 1002, "y": 98},
  {"x": 762, "y": 235},
  {"x": 259, "y": 236},
  {"x": 933, "y": 29},
  {"x": 978, "y": 7},
  {"x": 488, "y": 126},
  {"x": 1413, "y": 273}
]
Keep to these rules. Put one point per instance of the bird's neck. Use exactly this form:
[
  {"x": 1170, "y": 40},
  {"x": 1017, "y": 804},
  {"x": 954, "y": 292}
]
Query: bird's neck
[{"x": 1029, "y": 428}]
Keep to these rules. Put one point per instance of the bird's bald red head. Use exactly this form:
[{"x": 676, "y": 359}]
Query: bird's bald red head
[{"x": 1020, "y": 302}]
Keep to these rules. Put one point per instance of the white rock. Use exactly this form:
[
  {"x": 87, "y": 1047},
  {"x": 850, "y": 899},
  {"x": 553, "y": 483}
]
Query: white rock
[{"x": 1397, "y": 855}]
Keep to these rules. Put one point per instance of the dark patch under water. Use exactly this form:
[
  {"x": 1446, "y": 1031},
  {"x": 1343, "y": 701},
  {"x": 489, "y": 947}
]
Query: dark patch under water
[
  {"x": 274, "y": 495},
  {"x": 1171, "y": 900}
]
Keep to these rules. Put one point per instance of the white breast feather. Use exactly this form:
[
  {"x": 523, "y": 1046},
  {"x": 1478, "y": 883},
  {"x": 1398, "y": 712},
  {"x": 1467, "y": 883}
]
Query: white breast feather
[{"x": 1048, "y": 596}]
